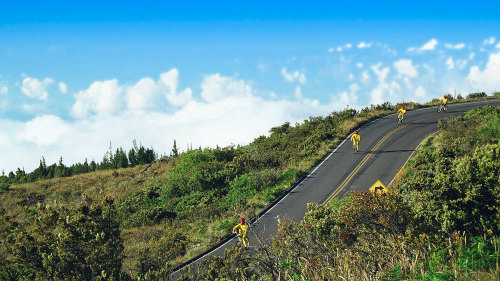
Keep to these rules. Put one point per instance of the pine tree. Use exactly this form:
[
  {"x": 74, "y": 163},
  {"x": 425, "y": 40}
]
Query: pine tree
[
  {"x": 175, "y": 152},
  {"x": 85, "y": 166}
]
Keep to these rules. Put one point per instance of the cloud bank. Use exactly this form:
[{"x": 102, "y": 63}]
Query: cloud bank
[{"x": 155, "y": 112}]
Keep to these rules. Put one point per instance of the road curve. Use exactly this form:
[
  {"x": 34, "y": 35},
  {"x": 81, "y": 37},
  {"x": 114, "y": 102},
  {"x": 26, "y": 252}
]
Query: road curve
[{"x": 384, "y": 148}]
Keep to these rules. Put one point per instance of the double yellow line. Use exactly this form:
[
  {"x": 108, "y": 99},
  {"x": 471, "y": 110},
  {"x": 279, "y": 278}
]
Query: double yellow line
[{"x": 363, "y": 162}]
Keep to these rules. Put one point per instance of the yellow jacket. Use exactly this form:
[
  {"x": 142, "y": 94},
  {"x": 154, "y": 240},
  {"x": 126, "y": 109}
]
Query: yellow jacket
[
  {"x": 443, "y": 100},
  {"x": 402, "y": 111},
  {"x": 355, "y": 137},
  {"x": 241, "y": 227}
]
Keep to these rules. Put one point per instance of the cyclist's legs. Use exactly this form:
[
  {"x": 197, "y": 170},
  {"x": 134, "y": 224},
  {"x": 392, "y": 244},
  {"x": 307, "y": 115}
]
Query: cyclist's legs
[
  {"x": 355, "y": 144},
  {"x": 244, "y": 239}
]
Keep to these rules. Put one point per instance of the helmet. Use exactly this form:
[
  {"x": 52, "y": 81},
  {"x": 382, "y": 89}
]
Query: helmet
[
  {"x": 355, "y": 131},
  {"x": 242, "y": 220},
  {"x": 444, "y": 97},
  {"x": 403, "y": 106}
]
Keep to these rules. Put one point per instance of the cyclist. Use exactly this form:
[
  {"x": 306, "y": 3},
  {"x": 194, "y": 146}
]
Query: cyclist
[
  {"x": 401, "y": 114},
  {"x": 444, "y": 100},
  {"x": 242, "y": 229},
  {"x": 355, "y": 138}
]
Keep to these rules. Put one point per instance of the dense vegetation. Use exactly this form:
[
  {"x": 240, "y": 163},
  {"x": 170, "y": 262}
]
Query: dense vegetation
[
  {"x": 115, "y": 224},
  {"x": 441, "y": 221}
]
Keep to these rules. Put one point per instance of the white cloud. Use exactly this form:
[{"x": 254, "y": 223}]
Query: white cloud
[
  {"x": 405, "y": 67},
  {"x": 362, "y": 45},
  {"x": 35, "y": 88},
  {"x": 431, "y": 45},
  {"x": 487, "y": 79},
  {"x": 4, "y": 90},
  {"x": 449, "y": 63},
  {"x": 143, "y": 95},
  {"x": 216, "y": 87},
  {"x": 471, "y": 56},
  {"x": 346, "y": 98},
  {"x": 62, "y": 87},
  {"x": 171, "y": 80},
  {"x": 348, "y": 46},
  {"x": 408, "y": 83},
  {"x": 455, "y": 47},
  {"x": 498, "y": 46},
  {"x": 44, "y": 130},
  {"x": 383, "y": 89},
  {"x": 108, "y": 97},
  {"x": 489, "y": 41},
  {"x": 102, "y": 97},
  {"x": 339, "y": 49},
  {"x": 30, "y": 108},
  {"x": 291, "y": 77},
  {"x": 351, "y": 76},
  {"x": 300, "y": 97},
  {"x": 420, "y": 92},
  {"x": 359, "y": 65},
  {"x": 298, "y": 93},
  {"x": 365, "y": 77},
  {"x": 331, "y": 50}
]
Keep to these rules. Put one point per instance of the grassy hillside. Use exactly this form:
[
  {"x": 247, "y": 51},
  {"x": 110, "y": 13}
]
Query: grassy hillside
[
  {"x": 440, "y": 221},
  {"x": 140, "y": 226}
]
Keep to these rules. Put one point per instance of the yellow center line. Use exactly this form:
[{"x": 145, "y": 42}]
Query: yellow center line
[{"x": 363, "y": 162}]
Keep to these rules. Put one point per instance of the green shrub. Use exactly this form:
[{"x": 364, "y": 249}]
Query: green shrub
[
  {"x": 476, "y": 95},
  {"x": 490, "y": 130},
  {"x": 241, "y": 188},
  {"x": 4, "y": 186},
  {"x": 290, "y": 176},
  {"x": 452, "y": 186},
  {"x": 64, "y": 245},
  {"x": 478, "y": 255}
]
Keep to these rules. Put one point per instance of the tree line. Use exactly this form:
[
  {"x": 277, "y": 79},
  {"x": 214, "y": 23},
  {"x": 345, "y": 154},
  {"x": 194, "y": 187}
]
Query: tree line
[{"x": 137, "y": 155}]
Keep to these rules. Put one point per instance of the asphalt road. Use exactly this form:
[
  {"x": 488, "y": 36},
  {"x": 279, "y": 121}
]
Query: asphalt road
[{"x": 384, "y": 148}]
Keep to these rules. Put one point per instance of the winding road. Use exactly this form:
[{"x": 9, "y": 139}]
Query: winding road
[{"x": 385, "y": 147}]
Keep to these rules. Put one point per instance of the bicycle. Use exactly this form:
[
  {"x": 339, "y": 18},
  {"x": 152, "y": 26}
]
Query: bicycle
[
  {"x": 239, "y": 242},
  {"x": 442, "y": 107},
  {"x": 400, "y": 118}
]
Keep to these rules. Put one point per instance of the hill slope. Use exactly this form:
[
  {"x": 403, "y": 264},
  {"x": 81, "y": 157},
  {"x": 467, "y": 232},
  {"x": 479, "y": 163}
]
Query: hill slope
[{"x": 182, "y": 207}]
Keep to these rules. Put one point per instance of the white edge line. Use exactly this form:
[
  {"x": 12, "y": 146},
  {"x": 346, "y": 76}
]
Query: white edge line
[
  {"x": 331, "y": 153},
  {"x": 311, "y": 173},
  {"x": 319, "y": 165}
]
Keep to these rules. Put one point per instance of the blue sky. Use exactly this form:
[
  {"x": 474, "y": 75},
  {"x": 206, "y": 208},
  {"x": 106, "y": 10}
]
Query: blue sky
[{"x": 88, "y": 73}]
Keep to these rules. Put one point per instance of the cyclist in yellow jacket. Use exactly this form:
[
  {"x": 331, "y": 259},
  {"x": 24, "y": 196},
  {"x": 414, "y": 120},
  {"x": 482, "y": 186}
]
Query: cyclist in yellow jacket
[
  {"x": 443, "y": 105},
  {"x": 444, "y": 100},
  {"x": 401, "y": 114},
  {"x": 355, "y": 138},
  {"x": 242, "y": 229}
]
